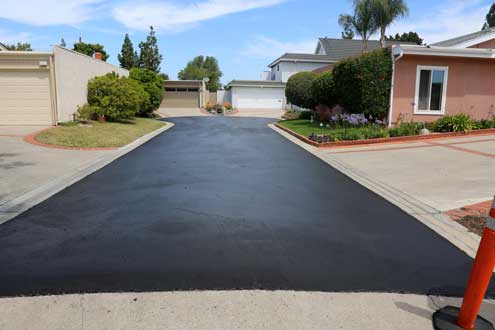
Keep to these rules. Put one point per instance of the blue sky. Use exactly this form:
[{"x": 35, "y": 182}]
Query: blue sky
[{"x": 244, "y": 35}]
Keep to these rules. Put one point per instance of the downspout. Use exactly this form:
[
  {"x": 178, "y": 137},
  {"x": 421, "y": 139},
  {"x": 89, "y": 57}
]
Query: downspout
[
  {"x": 53, "y": 89},
  {"x": 390, "y": 108}
]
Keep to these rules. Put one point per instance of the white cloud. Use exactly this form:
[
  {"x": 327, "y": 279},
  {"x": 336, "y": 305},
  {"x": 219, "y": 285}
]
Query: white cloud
[
  {"x": 447, "y": 20},
  {"x": 264, "y": 47},
  {"x": 48, "y": 12},
  {"x": 8, "y": 37},
  {"x": 171, "y": 17}
]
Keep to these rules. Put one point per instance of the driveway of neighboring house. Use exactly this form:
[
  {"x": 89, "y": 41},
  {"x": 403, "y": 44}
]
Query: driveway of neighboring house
[
  {"x": 223, "y": 203},
  {"x": 444, "y": 174},
  {"x": 180, "y": 112}
]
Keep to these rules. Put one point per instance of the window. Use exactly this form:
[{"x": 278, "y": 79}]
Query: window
[
  {"x": 431, "y": 90},
  {"x": 278, "y": 67},
  {"x": 181, "y": 89},
  {"x": 169, "y": 89},
  {"x": 193, "y": 89}
]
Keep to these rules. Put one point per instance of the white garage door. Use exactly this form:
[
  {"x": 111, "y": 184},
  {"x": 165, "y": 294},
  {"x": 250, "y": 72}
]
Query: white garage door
[
  {"x": 260, "y": 98},
  {"x": 25, "y": 97}
]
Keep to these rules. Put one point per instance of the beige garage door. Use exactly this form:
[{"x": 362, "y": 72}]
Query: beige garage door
[
  {"x": 182, "y": 99},
  {"x": 25, "y": 97}
]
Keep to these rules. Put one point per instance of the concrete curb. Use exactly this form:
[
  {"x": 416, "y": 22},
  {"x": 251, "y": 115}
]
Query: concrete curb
[
  {"x": 434, "y": 219},
  {"x": 24, "y": 202}
]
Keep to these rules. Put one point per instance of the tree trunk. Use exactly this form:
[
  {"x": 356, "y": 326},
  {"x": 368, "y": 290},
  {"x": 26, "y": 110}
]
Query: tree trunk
[{"x": 382, "y": 37}]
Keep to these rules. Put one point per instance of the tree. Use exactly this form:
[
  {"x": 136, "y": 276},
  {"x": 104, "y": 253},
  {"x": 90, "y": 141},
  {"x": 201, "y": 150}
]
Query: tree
[
  {"x": 149, "y": 56},
  {"x": 361, "y": 22},
  {"x": 128, "y": 57},
  {"x": 385, "y": 12},
  {"x": 299, "y": 89},
  {"x": 62, "y": 43},
  {"x": 203, "y": 67},
  {"x": 347, "y": 33},
  {"x": 406, "y": 37},
  {"x": 20, "y": 46},
  {"x": 153, "y": 87},
  {"x": 90, "y": 49},
  {"x": 490, "y": 18}
]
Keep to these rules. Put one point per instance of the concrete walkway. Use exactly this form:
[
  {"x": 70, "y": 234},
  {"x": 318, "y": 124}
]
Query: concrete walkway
[{"x": 226, "y": 310}]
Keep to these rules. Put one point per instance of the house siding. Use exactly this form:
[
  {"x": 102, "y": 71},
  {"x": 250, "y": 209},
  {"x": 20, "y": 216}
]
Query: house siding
[
  {"x": 287, "y": 69},
  {"x": 470, "y": 87}
]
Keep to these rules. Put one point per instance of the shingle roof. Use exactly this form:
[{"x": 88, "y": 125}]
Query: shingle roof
[
  {"x": 464, "y": 38},
  {"x": 255, "y": 83},
  {"x": 338, "y": 49}
]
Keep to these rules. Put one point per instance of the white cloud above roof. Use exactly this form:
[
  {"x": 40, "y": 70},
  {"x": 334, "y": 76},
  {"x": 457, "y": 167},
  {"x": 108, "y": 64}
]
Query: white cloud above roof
[
  {"x": 265, "y": 47},
  {"x": 48, "y": 12},
  {"x": 174, "y": 17}
]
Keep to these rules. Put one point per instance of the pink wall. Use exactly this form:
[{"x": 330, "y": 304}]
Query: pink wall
[
  {"x": 490, "y": 44},
  {"x": 470, "y": 86}
]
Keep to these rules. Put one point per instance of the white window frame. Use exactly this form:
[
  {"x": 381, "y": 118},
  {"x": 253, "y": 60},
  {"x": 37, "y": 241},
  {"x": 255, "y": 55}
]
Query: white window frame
[{"x": 445, "y": 69}]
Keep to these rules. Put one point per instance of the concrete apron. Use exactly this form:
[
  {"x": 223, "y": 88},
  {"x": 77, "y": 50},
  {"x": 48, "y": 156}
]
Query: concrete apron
[
  {"x": 24, "y": 202},
  {"x": 452, "y": 231},
  {"x": 226, "y": 310}
]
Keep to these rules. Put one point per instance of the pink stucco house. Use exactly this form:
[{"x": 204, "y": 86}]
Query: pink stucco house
[{"x": 449, "y": 77}]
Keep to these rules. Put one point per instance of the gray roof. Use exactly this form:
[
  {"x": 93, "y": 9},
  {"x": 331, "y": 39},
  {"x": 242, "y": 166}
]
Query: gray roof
[
  {"x": 303, "y": 57},
  {"x": 255, "y": 83},
  {"x": 464, "y": 38},
  {"x": 338, "y": 49}
]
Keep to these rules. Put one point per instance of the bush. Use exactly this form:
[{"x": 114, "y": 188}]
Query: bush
[
  {"x": 298, "y": 90},
  {"x": 322, "y": 89},
  {"x": 359, "y": 133},
  {"x": 86, "y": 112},
  {"x": 116, "y": 97},
  {"x": 362, "y": 84},
  {"x": 291, "y": 115},
  {"x": 455, "y": 123},
  {"x": 209, "y": 106},
  {"x": 406, "y": 129},
  {"x": 227, "y": 105},
  {"x": 153, "y": 86},
  {"x": 485, "y": 123},
  {"x": 218, "y": 108},
  {"x": 305, "y": 115}
]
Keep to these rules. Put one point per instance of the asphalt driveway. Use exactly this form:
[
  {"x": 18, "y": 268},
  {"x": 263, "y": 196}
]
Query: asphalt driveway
[{"x": 223, "y": 203}]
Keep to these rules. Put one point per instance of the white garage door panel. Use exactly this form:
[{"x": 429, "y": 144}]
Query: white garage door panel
[
  {"x": 25, "y": 98},
  {"x": 260, "y": 98}
]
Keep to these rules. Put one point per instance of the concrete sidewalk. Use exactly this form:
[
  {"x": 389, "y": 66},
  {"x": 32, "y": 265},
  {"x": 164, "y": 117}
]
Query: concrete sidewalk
[{"x": 226, "y": 310}]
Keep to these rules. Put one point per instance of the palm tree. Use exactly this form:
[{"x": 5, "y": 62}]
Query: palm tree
[
  {"x": 385, "y": 12},
  {"x": 362, "y": 21}
]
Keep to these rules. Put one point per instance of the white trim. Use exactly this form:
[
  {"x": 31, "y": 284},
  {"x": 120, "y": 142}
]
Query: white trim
[
  {"x": 445, "y": 69},
  {"x": 475, "y": 41},
  {"x": 280, "y": 59},
  {"x": 445, "y": 51},
  {"x": 392, "y": 84}
]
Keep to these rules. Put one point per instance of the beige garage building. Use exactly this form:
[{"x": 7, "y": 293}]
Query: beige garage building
[
  {"x": 45, "y": 88},
  {"x": 184, "y": 94}
]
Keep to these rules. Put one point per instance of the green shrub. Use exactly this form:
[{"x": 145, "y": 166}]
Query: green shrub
[
  {"x": 291, "y": 114},
  {"x": 485, "y": 123},
  {"x": 153, "y": 86},
  {"x": 298, "y": 90},
  {"x": 362, "y": 84},
  {"x": 305, "y": 114},
  {"x": 86, "y": 112},
  {"x": 116, "y": 97},
  {"x": 359, "y": 133},
  {"x": 406, "y": 129},
  {"x": 323, "y": 89},
  {"x": 454, "y": 123}
]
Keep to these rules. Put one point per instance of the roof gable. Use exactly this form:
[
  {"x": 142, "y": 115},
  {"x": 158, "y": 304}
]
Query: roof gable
[{"x": 468, "y": 40}]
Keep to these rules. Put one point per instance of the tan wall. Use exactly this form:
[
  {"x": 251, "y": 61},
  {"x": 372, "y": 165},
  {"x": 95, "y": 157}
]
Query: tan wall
[
  {"x": 470, "y": 86},
  {"x": 72, "y": 72},
  {"x": 490, "y": 44}
]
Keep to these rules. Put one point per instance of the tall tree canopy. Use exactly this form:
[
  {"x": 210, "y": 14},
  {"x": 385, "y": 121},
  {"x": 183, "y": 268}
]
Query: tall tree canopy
[
  {"x": 62, "y": 43},
  {"x": 407, "y": 37},
  {"x": 348, "y": 33},
  {"x": 90, "y": 49},
  {"x": 203, "y": 67},
  {"x": 149, "y": 56},
  {"x": 128, "y": 58},
  {"x": 20, "y": 46},
  {"x": 385, "y": 12},
  {"x": 362, "y": 21},
  {"x": 490, "y": 18}
]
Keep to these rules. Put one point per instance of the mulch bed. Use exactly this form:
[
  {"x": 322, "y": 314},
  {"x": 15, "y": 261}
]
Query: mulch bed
[{"x": 473, "y": 217}]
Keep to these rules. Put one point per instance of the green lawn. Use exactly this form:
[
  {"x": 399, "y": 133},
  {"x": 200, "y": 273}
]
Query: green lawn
[
  {"x": 304, "y": 126},
  {"x": 97, "y": 134}
]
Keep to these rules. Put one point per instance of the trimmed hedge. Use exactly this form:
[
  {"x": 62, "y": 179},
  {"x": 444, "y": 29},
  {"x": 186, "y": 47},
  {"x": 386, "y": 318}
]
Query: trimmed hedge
[
  {"x": 153, "y": 86},
  {"x": 298, "y": 89},
  {"x": 323, "y": 89},
  {"x": 116, "y": 97},
  {"x": 362, "y": 84}
]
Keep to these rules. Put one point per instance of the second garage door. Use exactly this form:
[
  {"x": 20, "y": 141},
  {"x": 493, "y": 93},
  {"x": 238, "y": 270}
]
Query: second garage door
[
  {"x": 259, "y": 98},
  {"x": 181, "y": 98},
  {"x": 25, "y": 97}
]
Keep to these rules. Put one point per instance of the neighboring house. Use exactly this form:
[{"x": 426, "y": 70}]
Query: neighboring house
[
  {"x": 269, "y": 92},
  {"x": 449, "y": 77},
  {"x": 45, "y": 88}
]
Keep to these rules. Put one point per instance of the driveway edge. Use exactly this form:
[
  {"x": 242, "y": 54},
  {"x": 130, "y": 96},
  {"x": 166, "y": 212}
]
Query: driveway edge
[
  {"x": 24, "y": 202},
  {"x": 434, "y": 219}
]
